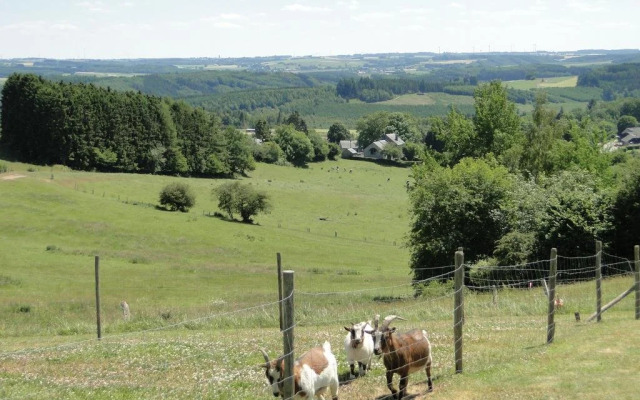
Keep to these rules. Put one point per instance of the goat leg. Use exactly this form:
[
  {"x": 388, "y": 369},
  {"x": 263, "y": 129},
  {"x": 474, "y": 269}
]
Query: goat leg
[
  {"x": 428, "y": 369},
  {"x": 390, "y": 384},
  {"x": 404, "y": 381}
]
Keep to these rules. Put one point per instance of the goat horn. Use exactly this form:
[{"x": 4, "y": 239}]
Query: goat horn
[
  {"x": 376, "y": 321},
  {"x": 388, "y": 319},
  {"x": 266, "y": 356}
]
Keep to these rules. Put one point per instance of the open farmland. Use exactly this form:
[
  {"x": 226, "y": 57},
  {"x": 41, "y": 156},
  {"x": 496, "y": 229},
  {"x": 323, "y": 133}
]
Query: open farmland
[
  {"x": 202, "y": 293},
  {"x": 542, "y": 83},
  {"x": 428, "y": 99}
]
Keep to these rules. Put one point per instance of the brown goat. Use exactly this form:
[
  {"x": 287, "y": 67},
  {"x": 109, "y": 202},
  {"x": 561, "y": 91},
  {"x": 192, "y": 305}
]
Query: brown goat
[{"x": 402, "y": 353}]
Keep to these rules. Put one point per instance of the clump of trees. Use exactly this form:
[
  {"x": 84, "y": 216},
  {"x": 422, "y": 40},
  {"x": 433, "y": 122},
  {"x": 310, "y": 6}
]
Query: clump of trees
[
  {"x": 338, "y": 132},
  {"x": 91, "y": 128},
  {"x": 508, "y": 189},
  {"x": 177, "y": 196},
  {"x": 237, "y": 198}
]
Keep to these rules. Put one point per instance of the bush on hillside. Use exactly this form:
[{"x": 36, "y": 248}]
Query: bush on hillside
[
  {"x": 234, "y": 197},
  {"x": 177, "y": 196}
]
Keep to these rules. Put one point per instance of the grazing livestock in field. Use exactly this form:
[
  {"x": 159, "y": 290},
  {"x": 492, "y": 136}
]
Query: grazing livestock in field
[
  {"x": 402, "y": 353},
  {"x": 558, "y": 302},
  {"x": 315, "y": 372},
  {"x": 358, "y": 344},
  {"x": 125, "y": 310}
]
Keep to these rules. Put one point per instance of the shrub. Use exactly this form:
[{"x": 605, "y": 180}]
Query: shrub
[
  {"x": 3, "y": 167},
  {"x": 233, "y": 197},
  {"x": 334, "y": 151},
  {"x": 177, "y": 196}
]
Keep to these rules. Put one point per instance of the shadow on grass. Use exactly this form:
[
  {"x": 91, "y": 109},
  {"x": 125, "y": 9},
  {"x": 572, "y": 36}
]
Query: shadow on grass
[
  {"x": 222, "y": 217},
  {"x": 417, "y": 395},
  {"x": 345, "y": 379}
]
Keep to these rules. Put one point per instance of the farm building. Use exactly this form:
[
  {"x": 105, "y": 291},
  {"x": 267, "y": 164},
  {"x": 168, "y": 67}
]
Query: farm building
[
  {"x": 348, "y": 148},
  {"x": 630, "y": 136},
  {"x": 376, "y": 149}
]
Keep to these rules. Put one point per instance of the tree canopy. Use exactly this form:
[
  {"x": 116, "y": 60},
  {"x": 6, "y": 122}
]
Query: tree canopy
[
  {"x": 235, "y": 197},
  {"x": 87, "y": 127}
]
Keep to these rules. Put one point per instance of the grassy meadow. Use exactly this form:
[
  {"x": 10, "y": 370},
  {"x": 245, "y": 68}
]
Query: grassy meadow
[
  {"x": 203, "y": 291},
  {"x": 542, "y": 83}
]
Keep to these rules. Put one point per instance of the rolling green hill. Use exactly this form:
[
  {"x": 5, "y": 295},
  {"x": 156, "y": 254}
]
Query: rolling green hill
[{"x": 202, "y": 292}]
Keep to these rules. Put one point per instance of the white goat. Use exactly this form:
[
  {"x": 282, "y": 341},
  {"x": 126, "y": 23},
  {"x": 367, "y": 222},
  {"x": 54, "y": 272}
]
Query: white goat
[
  {"x": 314, "y": 372},
  {"x": 358, "y": 344}
]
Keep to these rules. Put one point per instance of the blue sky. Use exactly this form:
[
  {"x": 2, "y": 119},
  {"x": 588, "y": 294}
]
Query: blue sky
[{"x": 235, "y": 28}]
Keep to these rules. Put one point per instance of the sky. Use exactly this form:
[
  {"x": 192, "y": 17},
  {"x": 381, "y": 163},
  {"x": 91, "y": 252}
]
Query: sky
[{"x": 111, "y": 29}]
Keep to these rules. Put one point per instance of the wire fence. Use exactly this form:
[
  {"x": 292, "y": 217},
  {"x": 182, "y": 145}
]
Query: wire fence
[{"x": 217, "y": 354}]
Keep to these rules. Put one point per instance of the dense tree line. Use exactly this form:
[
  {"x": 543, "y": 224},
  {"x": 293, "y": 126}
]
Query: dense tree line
[
  {"x": 508, "y": 189},
  {"x": 87, "y": 127},
  {"x": 374, "y": 89},
  {"x": 623, "y": 79}
]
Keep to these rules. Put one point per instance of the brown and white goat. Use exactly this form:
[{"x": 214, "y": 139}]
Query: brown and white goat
[
  {"x": 402, "y": 353},
  {"x": 315, "y": 372}
]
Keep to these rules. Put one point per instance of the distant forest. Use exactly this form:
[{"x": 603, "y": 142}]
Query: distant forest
[
  {"x": 242, "y": 97},
  {"x": 87, "y": 127}
]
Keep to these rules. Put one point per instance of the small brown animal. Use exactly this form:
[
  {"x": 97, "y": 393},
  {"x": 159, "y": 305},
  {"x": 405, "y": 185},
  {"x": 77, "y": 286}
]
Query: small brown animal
[
  {"x": 125, "y": 310},
  {"x": 402, "y": 353}
]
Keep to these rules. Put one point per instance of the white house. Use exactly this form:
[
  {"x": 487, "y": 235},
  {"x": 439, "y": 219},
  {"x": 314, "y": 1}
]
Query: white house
[
  {"x": 349, "y": 148},
  {"x": 630, "y": 136},
  {"x": 376, "y": 149}
]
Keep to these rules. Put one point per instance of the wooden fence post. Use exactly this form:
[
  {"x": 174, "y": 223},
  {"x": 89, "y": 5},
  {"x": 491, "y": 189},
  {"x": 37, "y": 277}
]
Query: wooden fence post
[
  {"x": 495, "y": 295},
  {"x": 636, "y": 256},
  {"x": 598, "y": 280},
  {"x": 280, "y": 289},
  {"x": 553, "y": 271},
  {"x": 97, "y": 272},
  {"x": 287, "y": 337},
  {"x": 458, "y": 310}
]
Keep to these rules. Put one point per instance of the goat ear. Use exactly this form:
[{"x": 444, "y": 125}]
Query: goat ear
[
  {"x": 392, "y": 330},
  {"x": 347, "y": 329},
  {"x": 370, "y": 332}
]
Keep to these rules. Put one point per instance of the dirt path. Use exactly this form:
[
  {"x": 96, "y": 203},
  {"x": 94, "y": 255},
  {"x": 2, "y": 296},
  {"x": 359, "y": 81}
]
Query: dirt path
[{"x": 10, "y": 177}]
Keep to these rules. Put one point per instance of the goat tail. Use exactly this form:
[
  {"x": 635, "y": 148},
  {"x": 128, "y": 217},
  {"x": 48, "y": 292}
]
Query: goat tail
[{"x": 326, "y": 347}]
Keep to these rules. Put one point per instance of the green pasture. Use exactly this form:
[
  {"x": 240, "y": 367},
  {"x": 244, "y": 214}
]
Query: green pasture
[
  {"x": 541, "y": 83},
  {"x": 202, "y": 292},
  {"x": 315, "y": 63},
  {"x": 343, "y": 221},
  {"x": 429, "y": 99}
]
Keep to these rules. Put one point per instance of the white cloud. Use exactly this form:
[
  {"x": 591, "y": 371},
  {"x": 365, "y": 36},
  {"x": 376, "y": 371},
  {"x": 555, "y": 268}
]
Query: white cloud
[
  {"x": 93, "y": 6},
  {"x": 302, "y": 8},
  {"x": 351, "y": 5},
  {"x": 586, "y": 6},
  {"x": 413, "y": 28},
  {"x": 64, "y": 27},
  {"x": 457, "y": 5},
  {"x": 226, "y": 25},
  {"x": 370, "y": 16},
  {"x": 232, "y": 17},
  {"x": 416, "y": 11}
]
